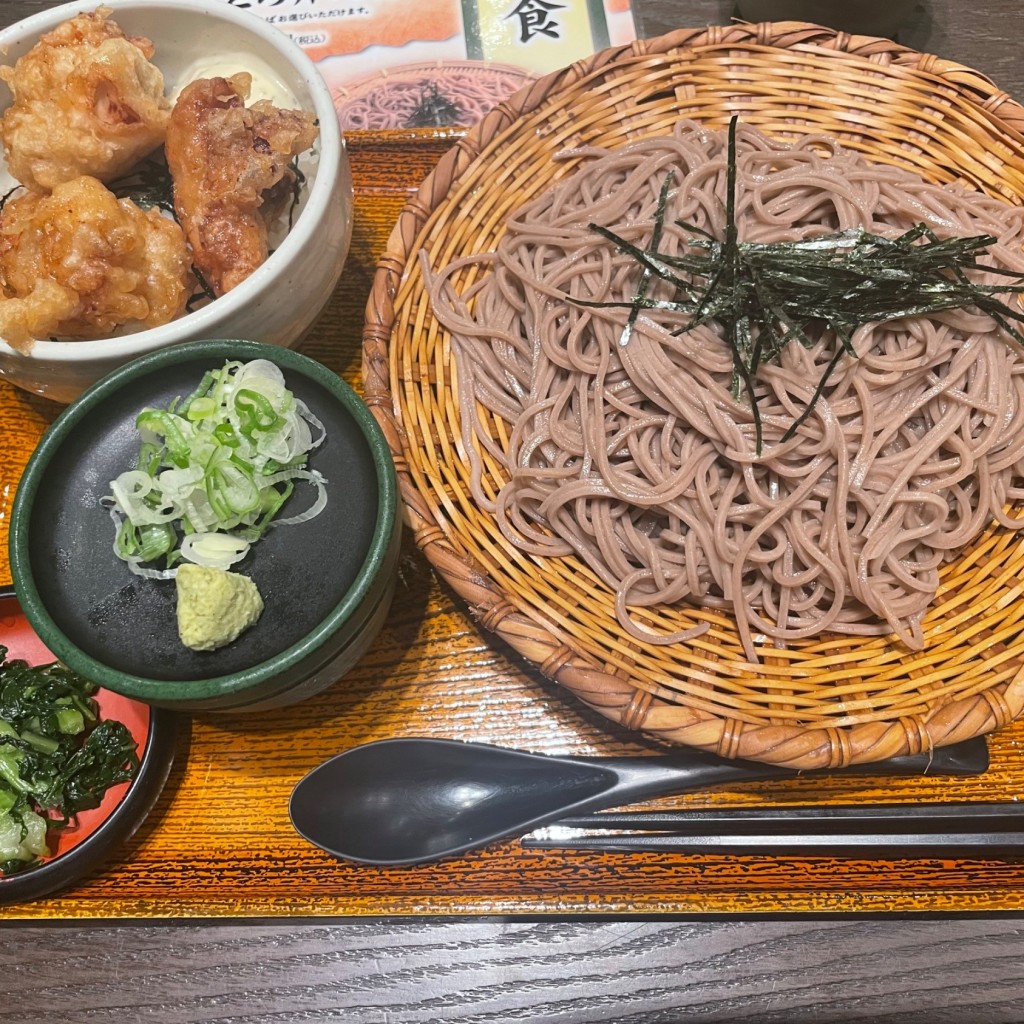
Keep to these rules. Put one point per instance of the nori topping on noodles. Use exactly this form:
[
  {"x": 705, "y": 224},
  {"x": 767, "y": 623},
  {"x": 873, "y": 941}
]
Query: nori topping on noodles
[
  {"x": 434, "y": 110},
  {"x": 765, "y": 295}
]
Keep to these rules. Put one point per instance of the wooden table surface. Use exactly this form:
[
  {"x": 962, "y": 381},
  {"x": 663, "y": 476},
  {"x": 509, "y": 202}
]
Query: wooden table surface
[{"x": 877, "y": 969}]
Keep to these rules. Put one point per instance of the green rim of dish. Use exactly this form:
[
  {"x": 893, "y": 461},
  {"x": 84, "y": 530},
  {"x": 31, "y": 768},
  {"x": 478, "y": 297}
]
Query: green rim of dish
[{"x": 161, "y": 689}]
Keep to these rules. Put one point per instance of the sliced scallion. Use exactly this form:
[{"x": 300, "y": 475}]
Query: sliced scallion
[{"x": 214, "y": 471}]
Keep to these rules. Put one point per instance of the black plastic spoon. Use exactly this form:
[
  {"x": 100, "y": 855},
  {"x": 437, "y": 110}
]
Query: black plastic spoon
[{"x": 409, "y": 801}]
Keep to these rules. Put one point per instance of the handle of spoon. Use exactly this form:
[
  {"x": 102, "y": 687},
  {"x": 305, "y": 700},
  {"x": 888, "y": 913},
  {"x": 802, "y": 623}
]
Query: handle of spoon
[{"x": 638, "y": 777}]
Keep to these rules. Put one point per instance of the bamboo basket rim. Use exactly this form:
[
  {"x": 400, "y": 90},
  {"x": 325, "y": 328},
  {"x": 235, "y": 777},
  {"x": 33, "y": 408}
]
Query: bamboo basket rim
[{"x": 823, "y": 703}]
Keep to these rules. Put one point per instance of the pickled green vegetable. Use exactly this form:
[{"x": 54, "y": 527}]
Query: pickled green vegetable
[{"x": 57, "y": 757}]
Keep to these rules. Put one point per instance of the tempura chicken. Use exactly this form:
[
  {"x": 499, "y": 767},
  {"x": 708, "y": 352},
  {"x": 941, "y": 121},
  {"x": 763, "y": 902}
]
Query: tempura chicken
[
  {"x": 87, "y": 101},
  {"x": 229, "y": 164},
  {"x": 81, "y": 263}
]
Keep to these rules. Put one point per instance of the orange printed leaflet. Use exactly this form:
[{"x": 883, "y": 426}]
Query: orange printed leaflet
[{"x": 439, "y": 63}]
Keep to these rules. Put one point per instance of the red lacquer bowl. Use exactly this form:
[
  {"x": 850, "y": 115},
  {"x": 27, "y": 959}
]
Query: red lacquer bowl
[{"x": 82, "y": 847}]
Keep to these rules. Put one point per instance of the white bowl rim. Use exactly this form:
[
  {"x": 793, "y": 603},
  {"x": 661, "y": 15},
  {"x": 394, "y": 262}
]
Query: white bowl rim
[{"x": 312, "y": 214}]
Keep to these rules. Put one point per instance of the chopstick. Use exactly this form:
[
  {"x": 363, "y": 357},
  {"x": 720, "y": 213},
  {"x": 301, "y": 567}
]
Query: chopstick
[
  {"x": 886, "y": 830},
  {"x": 885, "y": 844},
  {"x": 997, "y": 815}
]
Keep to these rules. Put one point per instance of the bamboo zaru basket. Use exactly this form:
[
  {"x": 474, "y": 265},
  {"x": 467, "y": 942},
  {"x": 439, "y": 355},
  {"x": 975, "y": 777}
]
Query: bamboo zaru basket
[{"x": 823, "y": 702}]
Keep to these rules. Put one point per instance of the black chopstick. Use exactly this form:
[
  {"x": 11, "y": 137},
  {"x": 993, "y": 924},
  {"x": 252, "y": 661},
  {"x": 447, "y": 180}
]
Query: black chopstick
[
  {"x": 952, "y": 817},
  {"x": 991, "y": 829},
  {"x": 866, "y": 844}
]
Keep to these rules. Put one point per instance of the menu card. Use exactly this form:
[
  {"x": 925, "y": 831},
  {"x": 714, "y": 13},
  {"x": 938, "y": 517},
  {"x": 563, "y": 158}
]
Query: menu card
[{"x": 396, "y": 63}]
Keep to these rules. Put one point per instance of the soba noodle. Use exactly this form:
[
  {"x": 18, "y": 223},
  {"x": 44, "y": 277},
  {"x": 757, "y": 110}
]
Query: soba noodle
[
  {"x": 639, "y": 459},
  {"x": 442, "y": 97}
]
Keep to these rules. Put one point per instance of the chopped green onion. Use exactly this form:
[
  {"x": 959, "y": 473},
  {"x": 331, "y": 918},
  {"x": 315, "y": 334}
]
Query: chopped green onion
[
  {"x": 220, "y": 464},
  {"x": 164, "y": 424},
  {"x": 255, "y": 411},
  {"x": 200, "y": 409},
  {"x": 202, "y": 391}
]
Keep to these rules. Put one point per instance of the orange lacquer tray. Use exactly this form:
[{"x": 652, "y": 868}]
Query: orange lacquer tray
[{"x": 219, "y": 844}]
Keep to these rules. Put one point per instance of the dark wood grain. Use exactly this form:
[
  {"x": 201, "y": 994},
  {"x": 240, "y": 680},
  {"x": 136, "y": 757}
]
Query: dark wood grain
[
  {"x": 404, "y": 970},
  {"x": 411, "y": 972}
]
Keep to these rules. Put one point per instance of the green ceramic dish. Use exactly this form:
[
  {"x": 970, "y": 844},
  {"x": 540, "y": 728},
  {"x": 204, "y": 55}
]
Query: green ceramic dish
[{"x": 326, "y": 584}]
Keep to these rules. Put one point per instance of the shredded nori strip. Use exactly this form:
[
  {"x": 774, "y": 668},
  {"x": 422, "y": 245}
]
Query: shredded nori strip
[
  {"x": 7, "y": 195},
  {"x": 298, "y": 180},
  {"x": 149, "y": 185},
  {"x": 205, "y": 291}
]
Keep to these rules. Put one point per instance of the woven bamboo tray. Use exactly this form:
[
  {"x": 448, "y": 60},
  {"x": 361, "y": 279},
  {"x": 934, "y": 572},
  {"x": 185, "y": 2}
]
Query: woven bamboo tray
[{"x": 824, "y": 702}]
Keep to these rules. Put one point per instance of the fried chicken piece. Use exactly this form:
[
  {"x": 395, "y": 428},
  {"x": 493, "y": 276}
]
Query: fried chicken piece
[
  {"x": 80, "y": 263},
  {"x": 87, "y": 101},
  {"x": 230, "y": 170}
]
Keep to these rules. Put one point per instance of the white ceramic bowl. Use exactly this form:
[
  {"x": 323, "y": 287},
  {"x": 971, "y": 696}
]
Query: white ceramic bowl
[{"x": 279, "y": 301}]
